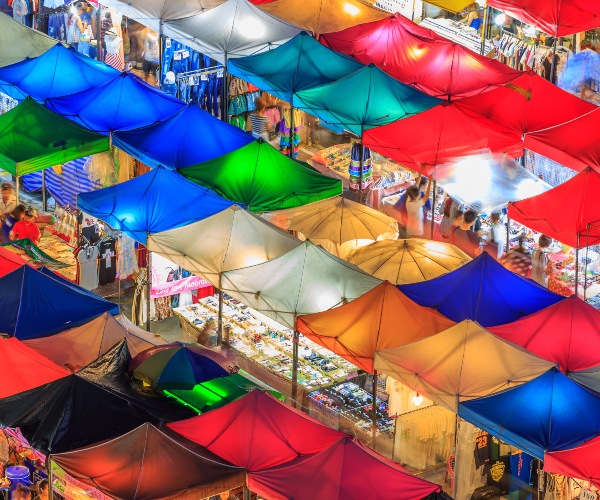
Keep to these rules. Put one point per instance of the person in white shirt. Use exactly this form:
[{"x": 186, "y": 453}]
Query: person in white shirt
[
  {"x": 497, "y": 235},
  {"x": 9, "y": 201},
  {"x": 414, "y": 209}
]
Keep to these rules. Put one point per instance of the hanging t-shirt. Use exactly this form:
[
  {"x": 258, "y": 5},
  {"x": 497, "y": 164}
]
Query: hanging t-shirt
[
  {"x": 108, "y": 263},
  {"x": 486, "y": 448},
  {"x": 88, "y": 267},
  {"x": 498, "y": 473},
  {"x": 520, "y": 472}
]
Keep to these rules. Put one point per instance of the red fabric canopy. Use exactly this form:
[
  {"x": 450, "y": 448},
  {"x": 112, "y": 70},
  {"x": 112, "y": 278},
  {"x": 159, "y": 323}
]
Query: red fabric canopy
[
  {"x": 9, "y": 261},
  {"x": 574, "y": 144},
  {"x": 564, "y": 212},
  {"x": 436, "y": 136},
  {"x": 527, "y": 104},
  {"x": 418, "y": 56},
  {"x": 21, "y": 368},
  {"x": 346, "y": 469},
  {"x": 580, "y": 463},
  {"x": 257, "y": 432},
  {"x": 555, "y": 17},
  {"x": 567, "y": 333},
  {"x": 147, "y": 463}
]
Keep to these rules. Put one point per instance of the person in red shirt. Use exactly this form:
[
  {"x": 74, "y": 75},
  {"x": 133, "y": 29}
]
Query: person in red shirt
[{"x": 26, "y": 228}]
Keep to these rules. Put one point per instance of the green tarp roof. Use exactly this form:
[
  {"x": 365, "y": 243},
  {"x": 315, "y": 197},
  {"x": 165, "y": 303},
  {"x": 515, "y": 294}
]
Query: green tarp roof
[
  {"x": 263, "y": 179},
  {"x": 365, "y": 99},
  {"x": 298, "y": 64},
  {"x": 33, "y": 138}
]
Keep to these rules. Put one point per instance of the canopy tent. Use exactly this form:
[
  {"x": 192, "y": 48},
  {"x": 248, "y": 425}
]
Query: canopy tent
[
  {"x": 175, "y": 366},
  {"x": 337, "y": 224},
  {"x": 34, "y": 138},
  {"x": 555, "y": 17},
  {"x": 21, "y": 368},
  {"x": 380, "y": 319},
  {"x": 257, "y": 432},
  {"x": 235, "y": 28},
  {"x": 408, "y": 261},
  {"x": 31, "y": 43},
  {"x": 79, "y": 346},
  {"x": 377, "y": 99},
  {"x": 58, "y": 72},
  {"x": 487, "y": 183},
  {"x": 76, "y": 288},
  {"x": 138, "y": 207},
  {"x": 346, "y": 469},
  {"x": 123, "y": 103},
  {"x": 449, "y": 367},
  {"x": 216, "y": 393},
  {"x": 521, "y": 106},
  {"x": 263, "y": 179},
  {"x": 231, "y": 239},
  {"x": 549, "y": 413},
  {"x": 437, "y": 136},
  {"x": 149, "y": 463},
  {"x": 451, "y": 5},
  {"x": 421, "y": 58},
  {"x": 577, "y": 199},
  {"x": 210, "y": 136},
  {"x": 63, "y": 415},
  {"x": 571, "y": 143},
  {"x": 323, "y": 16},
  {"x": 9, "y": 262},
  {"x": 306, "y": 280},
  {"x": 153, "y": 13},
  {"x": 567, "y": 333},
  {"x": 301, "y": 63},
  {"x": 580, "y": 462},
  {"x": 35, "y": 305},
  {"x": 479, "y": 291}
]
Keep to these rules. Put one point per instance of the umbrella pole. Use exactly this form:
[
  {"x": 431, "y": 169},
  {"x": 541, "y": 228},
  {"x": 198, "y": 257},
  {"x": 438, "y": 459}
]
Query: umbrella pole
[
  {"x": 486, "y": 25},
  {"x": 374, "y": 409},
  {"x": 161, "y": 53},
  {"x": 433, "y": 208},
  {"x": 292, "y": 135},
  {"x": 148, "y": 285},
  {"x": 17, "y": 187},
  {"x": 49, "y": 472},
  {"x": 553, "y": 70},
  {"x": 361, "y": 163},
  {"x": 295, "y": 342},
  {"x": 246, "y": 494},
  {"x": 576, "y": 271},
  {"x": 220, "y": 320},
  {"x": 225, "y": 92},
  {"x": 507, "y": 235}
]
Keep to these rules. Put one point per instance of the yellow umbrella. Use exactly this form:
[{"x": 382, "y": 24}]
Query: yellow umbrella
[{"x": 408, "y": 261}]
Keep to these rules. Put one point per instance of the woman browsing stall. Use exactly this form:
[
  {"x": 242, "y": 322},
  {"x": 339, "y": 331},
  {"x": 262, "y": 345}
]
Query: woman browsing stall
[{"x": 26, "y": 228}]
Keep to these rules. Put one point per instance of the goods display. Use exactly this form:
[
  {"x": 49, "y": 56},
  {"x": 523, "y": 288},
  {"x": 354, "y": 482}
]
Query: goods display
[
  {"x": 265, "y": 342},
  {"x": 457, "y": 32}
]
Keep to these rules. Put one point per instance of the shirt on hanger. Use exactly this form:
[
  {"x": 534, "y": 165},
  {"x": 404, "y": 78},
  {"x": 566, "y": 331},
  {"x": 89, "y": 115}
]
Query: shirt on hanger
[
  {"x": 108, "y": 262},
  {"x": 88, "y": 267}
]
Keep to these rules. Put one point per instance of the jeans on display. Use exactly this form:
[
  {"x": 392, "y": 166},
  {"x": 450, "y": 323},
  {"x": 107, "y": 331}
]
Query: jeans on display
[
  {"x": 200, "y": 99},
  {"x": 205, "y": 61},
  {"x": 194, "y": 60},
  {"x": 167, "y": 57},
  {"x": 217, "y": 95}
]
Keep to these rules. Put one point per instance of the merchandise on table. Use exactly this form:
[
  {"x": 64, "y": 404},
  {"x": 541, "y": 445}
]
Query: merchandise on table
[
  {"x": 263, "y": 341},
  {"x": 457, "y": 32}
]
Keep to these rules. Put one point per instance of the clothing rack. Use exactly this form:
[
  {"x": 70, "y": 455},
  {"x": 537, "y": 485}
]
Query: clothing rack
[{"x": 199, "y": 72}]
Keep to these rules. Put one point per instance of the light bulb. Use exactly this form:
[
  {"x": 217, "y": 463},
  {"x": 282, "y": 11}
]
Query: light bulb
[
  {"x": 417, "y": 399},
  {"x": 500, "y": 18},
  {"x": 353, "y": 10}
]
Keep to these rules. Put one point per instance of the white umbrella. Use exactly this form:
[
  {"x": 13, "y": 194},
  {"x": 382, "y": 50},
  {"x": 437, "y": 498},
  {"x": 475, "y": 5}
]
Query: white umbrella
[{"x": 408, "y": 261}]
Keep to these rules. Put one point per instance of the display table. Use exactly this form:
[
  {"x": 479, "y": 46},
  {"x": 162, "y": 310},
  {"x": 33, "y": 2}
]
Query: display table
[{"x": 262, "y": 342}]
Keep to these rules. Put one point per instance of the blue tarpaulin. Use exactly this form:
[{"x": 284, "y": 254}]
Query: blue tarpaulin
[
  {"x": 154, "y": 202},
  {"x": 299, "y": 64},
  {"x": 124, "y": 103},
  {"x": 194, "y": 136},
  {"x": 36, "y": 305},
  {"x": 57, "y": 72},
  {"x": 483, "y": 291},
  {"x": 547, "y": 414}
]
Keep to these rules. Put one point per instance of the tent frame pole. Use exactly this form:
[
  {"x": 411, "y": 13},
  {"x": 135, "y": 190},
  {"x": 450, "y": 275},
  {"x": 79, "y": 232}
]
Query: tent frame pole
[
  {"x": 295, "y": 343},
  {"x": 99, "y": 54},
  {"x": 148, "y": 283},
  {"x": 292, "y": 134},
  {"x": 587, "y": 252},
  {"x": 455, "y": 453},
  {"x": 577, "y": 268},
  {"x": 486, "y": 26},
  {"x": 361, "y": 164},
  {"x": 553, "y": 69},
  {"x": 220, "y": 319},
  {"x": 44, "y": 196},
  {"x": 433, "y": 208},
  {"x": 17, "y": 187},
  {"x": 161, "y": 54},
  {"x": 49, "y": 472},
  {"x": 374, "y": 409},
  {"x": 225, "y": 92},
  {"x": 246, "y": 493},
  {"x": 507, "y": 235}
]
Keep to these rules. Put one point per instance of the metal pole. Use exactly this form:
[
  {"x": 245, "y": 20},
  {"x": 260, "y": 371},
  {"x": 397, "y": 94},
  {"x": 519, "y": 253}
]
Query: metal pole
[
  {"x": 149, "y": 288},
  {"x": 292, "y": 135},
  {"x": 99, "y": 34},
  {"x": 374, "y": 409},
  {"x": 507, "y": 234},
  {"x": 455, "y": 456},
  {"x": 220, "y": 320},
  {"x": 161, "y": 54},
  {"x": 225, "y": 92},
  {"x": 44, "y": 196},
  {"x": 553, "y": 70},
  {"x": 576, "y": 271},
  {"x": 246, "y": 494},
  {"x": 49, "y": 472},
  {"x": 484, "y": 31},
  {"x": 295, "y": 342},
  {"x": 433, "y": 207},
  {"x": 17, "y": 188},
  {"x": 361, "y": 162}
]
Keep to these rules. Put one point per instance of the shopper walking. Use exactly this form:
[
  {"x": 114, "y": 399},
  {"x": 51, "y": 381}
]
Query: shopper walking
[
  {"x": 415, "y": 201},
  {"x": 465, "y": 238},
  {"x": 541, "y": 267},
  {"x": 260, "y": 122}
]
